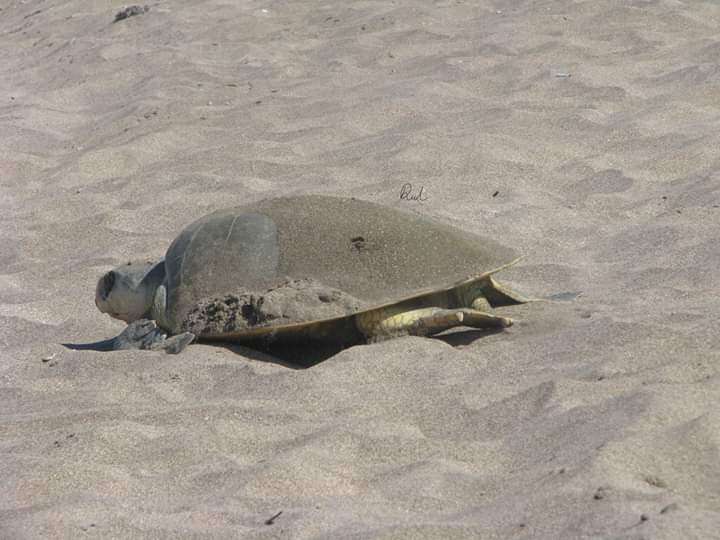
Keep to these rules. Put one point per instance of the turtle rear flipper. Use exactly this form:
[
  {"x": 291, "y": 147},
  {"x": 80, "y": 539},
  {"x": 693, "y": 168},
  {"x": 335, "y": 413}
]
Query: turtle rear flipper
[
  {"x": 393, "y": 320},
  {"x": 484, "y": 291}
]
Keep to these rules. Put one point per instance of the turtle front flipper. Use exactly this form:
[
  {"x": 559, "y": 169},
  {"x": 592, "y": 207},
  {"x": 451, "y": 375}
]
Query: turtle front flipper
[
  {"x": 145, "y": 334},
  {"x": 391, "y": 321},
  {"x": 139, "y": 334}
]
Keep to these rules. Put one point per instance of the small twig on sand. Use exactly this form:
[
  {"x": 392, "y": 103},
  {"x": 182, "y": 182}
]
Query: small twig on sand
[{"x": 271, "y": 520}]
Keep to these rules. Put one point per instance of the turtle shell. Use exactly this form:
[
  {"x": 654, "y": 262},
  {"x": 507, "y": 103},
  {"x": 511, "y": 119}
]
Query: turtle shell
[{"x": 302, "y": 259}]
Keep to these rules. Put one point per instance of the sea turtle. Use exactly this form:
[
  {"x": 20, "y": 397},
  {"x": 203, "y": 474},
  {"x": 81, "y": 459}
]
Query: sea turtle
[{"x": 306, "y": 268}]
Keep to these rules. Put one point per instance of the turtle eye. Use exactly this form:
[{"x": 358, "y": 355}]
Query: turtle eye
[{"x": 108, "y": 282}]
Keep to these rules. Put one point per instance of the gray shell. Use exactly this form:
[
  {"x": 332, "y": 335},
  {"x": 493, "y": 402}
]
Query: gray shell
[{"x": 349, "y": 254}]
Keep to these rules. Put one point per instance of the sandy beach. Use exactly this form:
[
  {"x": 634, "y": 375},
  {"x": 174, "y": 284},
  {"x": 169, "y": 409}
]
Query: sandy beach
[{"x": 583, "y": 135}]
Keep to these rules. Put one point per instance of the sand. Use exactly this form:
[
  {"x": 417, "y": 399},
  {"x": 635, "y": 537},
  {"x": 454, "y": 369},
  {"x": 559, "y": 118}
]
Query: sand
[{"x": 585, "y": 135}]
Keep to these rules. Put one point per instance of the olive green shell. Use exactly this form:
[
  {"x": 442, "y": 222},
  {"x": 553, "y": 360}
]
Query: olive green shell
[{"x": 374, "y": 253}]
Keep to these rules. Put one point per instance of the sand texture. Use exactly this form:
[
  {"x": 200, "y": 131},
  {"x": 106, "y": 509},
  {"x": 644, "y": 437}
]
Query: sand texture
[
  {"x": 582, "y": 134},
  {"x": 292, "y": 302}
]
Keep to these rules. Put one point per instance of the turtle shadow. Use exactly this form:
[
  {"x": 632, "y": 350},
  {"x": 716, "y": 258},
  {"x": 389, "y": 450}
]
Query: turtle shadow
[
  {"x": 297, "y": 355},
  {"x": 293, "y": 356},
  {"x": 300, "y": 355},
  {"x": 304, "y": 355}
]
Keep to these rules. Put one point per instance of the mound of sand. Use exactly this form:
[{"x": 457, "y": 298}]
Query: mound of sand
[{"x": 292, "y": 301}]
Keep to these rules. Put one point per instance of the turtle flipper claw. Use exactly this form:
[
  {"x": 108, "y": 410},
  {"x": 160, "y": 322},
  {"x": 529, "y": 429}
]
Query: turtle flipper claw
[{"x": 176, "y": 344}]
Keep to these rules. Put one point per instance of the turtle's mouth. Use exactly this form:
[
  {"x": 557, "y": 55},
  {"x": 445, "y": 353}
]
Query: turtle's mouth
[
  {"x": 116, "y": 315},
  {"x": 102, "y": 307},
  {"x": 119, "y": 316}
]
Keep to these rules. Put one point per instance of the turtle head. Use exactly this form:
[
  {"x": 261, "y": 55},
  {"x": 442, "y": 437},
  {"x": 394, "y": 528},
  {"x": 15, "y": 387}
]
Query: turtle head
[{"x": 127, "y": 292}]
